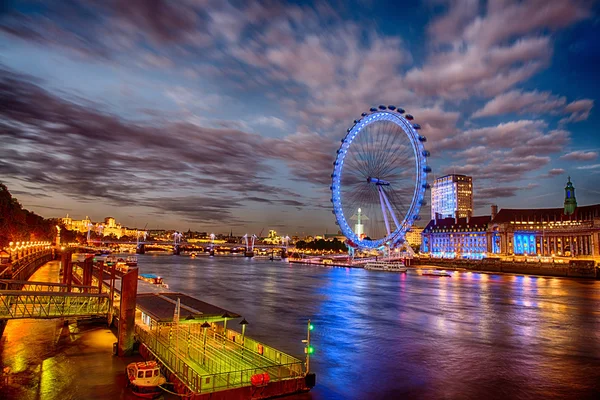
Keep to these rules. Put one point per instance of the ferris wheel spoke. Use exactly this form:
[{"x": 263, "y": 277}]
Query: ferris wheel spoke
[
  {"x": 390, "y": 209},
  {"x": 383, "y": 210}
]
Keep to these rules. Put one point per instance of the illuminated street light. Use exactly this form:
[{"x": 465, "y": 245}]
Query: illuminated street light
[
  {"x": 204, "y": 326},
  {"x": 243, "y": 324}
]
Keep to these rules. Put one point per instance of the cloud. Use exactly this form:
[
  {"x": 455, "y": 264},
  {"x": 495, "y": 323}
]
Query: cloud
[
  {"x": 593, "y": 166},
  {"x": 483, "y": 55},
  {"x": 553, "y": 172},
  {"x": 271, "y": 121},
  {"x": 88, "y": 154},
  {"x": 580, "y": 110},
  {"x": 535, "y": 102},
  {"x": 519, "y": 102},
  {"x": 580, "y": 156}
]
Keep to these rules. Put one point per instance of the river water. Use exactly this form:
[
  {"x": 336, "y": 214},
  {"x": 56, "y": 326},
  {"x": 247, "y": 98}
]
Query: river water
[{"x": 381, "y": 335}]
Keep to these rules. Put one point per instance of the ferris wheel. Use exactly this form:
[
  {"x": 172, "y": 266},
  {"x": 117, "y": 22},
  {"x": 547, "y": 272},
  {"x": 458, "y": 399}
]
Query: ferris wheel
[{"x": 379, "y": 179}]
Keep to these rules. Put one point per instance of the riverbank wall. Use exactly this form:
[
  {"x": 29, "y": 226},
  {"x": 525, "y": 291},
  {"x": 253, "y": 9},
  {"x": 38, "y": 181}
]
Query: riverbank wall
[{"x": 573, "y": 269}]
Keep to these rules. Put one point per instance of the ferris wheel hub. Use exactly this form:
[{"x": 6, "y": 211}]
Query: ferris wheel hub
[{"x": 378, "y": 181}]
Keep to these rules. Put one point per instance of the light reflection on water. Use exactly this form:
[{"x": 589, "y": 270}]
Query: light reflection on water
[
  {"x": 377, "y": 335},
  {"x": 381, "y": 335}
]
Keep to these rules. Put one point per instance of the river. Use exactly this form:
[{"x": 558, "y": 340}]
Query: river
[{"x": 381, "y": 335}]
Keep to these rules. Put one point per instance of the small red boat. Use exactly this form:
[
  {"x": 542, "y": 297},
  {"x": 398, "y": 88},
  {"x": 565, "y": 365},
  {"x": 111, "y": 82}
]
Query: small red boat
[{"x": 145, "y": 379}]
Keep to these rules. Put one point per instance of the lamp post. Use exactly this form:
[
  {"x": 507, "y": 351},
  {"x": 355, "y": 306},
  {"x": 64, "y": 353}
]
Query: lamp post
[
  {"x": 226, "y": 315},
  {"x": 243, "y": 324},
  {"x": 204, "y": 326}
]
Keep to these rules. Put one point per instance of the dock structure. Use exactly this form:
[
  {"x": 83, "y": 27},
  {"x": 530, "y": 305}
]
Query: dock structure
[
  {"x": 206, "y": 357},
  {"x": 200, "y": 354}
]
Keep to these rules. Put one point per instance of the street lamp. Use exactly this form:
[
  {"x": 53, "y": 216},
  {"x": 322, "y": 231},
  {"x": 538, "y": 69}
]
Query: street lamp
[
  {"x": 204, "y": 326},
  {"x": 243, "y": 324},
  {"x": 226, "y": 316}
]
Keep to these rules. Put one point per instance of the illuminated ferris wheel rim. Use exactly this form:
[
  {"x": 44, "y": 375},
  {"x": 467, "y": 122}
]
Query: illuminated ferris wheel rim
[{"x": 394, "y": 115}]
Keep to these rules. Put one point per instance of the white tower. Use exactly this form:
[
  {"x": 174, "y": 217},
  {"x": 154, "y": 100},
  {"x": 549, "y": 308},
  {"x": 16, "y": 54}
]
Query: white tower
[{"x": 359, "y": 228}]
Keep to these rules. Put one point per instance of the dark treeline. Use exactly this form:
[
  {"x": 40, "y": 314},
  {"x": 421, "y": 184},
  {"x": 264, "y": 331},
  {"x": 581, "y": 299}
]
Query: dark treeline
[
  {"x": 322, "y": 245},
  {"x": 18, "y": 224}
]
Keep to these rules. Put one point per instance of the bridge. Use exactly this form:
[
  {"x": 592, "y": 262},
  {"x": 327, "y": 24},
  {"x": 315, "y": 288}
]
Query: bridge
[{"x": 19, "y": 304}]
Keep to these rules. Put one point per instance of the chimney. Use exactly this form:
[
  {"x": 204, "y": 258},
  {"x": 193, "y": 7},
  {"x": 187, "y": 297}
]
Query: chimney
[
  {"x": 494, "y": 211},
  {"x": 435, "y": 218},
  {"x": 456, "y": 217}
]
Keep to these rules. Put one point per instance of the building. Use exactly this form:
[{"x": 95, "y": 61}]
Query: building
[
  {"x": 456, "y": 237},
  {"x": 452, "y": 195},
  {"x": 413, "y": 236},
  {"x": 77, "y": 225},
  {"x": 570, "y": 231}
]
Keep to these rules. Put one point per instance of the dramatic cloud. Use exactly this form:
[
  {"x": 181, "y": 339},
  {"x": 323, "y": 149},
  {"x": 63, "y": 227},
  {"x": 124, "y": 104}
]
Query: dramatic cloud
[{"x": 190, "y": 105}]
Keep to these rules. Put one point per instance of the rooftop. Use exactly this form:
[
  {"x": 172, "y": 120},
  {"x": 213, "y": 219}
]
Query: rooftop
[
  {"x": 546, "y": 214},
  {"x": 461, "y": 223},
  {"x": 161, "y": 307}
]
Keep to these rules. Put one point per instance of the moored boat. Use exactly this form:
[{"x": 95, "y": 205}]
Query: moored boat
[
  {"x": 153, "y": 279},
  {"x": 131, "y": 261},
  {"x": 436, "y": 273},
  {"x": 145, "y": 378},
  {"x": 385, "y": 266}
]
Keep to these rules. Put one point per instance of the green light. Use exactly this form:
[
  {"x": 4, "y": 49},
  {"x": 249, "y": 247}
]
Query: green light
[
  {"x": 311, "y": 327},
  {"x": 311, "y": 349}
]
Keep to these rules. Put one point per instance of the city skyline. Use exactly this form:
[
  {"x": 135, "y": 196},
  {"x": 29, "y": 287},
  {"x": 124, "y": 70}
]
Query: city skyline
[{"x": 202, "y": 115}]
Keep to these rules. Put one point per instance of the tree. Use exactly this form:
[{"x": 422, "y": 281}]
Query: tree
[{"x": 19, "y": 224}]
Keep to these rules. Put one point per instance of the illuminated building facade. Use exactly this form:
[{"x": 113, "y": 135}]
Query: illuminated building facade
[
  {"x": 76, "y": 225},
  {"x": 452, "y": 196},
  {"x": 109, "y": 227},
  {"x": 547, "y": 232},
  {"x": 413, "y": 236},
  {"x": 456, "y": 237}
]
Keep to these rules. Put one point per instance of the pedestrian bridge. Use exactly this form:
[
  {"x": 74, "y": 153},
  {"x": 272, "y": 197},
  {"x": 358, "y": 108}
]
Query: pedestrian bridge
[{"x": 19, "y": 304}]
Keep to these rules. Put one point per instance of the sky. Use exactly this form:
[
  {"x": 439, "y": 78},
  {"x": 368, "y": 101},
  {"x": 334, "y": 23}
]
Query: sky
[{"x": 226, "y": 115}]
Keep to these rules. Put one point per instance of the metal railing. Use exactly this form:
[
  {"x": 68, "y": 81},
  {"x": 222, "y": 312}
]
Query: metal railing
[
  {"x": 15, "y": 304},
  {"x": 218, "y": 365},
  {"x": 31, "y": 286}
]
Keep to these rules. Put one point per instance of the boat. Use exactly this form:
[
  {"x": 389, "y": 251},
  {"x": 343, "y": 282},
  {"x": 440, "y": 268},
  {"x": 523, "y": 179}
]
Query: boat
[
  {"x": 131, "y": 261},
  {"x": 153, "y": 280},
  {"x": 111, "y": 260},
  {"x": 385, "y": 266},
  {"x": 436, "y": 273},
  {"x": 145, "y": 378}
]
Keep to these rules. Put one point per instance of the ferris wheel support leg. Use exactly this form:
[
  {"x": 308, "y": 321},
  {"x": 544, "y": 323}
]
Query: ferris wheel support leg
[
  {"x": 389, "y": 206},
  {"x": 383, "y": 208}
]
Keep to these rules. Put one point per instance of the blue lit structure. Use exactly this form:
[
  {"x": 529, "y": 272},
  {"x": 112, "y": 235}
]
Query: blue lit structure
[
  {"x": 524, "y": 243},
  {"x": 380, "y": 168}
]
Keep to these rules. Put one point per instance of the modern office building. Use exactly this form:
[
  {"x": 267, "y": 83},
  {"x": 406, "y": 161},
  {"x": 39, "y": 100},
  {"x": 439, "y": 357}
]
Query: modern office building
[{"x": 452, "y": 197}]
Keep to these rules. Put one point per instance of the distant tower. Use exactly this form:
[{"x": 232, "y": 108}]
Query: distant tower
[
  {"x": 570, "y": 201},
  {"x": 359, "y": 228}
]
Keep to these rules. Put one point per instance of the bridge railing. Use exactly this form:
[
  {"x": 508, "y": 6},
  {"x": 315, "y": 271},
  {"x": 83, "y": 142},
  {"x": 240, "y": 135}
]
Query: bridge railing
[
  {"x": 24, "y": 267},
  {"x": 16, "y": 304}
]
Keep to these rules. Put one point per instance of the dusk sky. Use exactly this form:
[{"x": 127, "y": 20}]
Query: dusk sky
[{"x": 216, "y": 115}]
